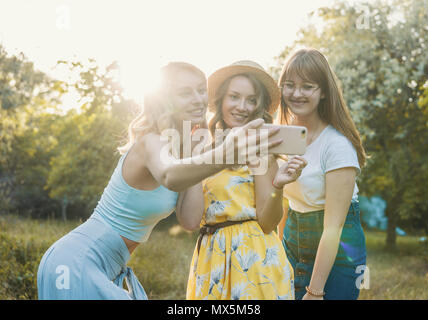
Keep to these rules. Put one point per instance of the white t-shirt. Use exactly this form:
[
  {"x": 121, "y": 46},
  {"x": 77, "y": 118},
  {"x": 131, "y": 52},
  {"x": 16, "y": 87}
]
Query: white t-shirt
[{"x": 331, "y": 150}]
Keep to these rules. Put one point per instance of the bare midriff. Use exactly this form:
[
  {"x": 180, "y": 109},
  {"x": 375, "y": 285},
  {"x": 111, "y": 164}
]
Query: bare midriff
[{"x": 131, "y": 245}]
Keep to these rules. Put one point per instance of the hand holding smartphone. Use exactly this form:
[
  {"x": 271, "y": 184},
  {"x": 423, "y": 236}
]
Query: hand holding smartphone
[{"x": 293, "y": 139}]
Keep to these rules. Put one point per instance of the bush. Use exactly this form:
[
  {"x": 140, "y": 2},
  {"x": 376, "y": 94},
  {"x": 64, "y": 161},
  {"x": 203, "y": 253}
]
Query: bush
[{"x": 19, "y": 261}]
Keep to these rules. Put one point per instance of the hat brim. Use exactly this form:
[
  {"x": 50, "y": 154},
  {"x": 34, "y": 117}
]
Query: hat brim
[{"x": 216, "y": 79}]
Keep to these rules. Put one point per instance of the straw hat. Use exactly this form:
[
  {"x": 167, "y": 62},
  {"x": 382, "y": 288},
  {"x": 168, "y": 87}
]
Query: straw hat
[{"x": 216, "y": 79}]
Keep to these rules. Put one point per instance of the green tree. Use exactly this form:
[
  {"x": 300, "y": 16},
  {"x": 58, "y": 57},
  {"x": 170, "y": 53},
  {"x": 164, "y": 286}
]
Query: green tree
[
  {"x": 49, "y": 159},
  {"x": 85, "y": 153},
  {"x": 18, "y": 84},
  {"x": 378, "y": 51},
  {"x": 21, "y": 87},
  {"x": 32, "y": 150}
]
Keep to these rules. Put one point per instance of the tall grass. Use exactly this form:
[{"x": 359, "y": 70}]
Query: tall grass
[
  {"x": 162, "y": 263},
  {"x": 401, "y": 274},
  {"x": 22, "y": 244}
]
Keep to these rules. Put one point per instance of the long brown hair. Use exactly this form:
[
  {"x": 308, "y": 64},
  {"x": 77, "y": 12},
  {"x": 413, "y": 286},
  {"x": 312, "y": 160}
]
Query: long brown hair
[{"x": 312, "y": 66}]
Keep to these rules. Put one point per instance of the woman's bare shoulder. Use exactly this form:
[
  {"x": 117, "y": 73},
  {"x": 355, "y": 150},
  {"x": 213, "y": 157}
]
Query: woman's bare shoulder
[{"x": 146, "y": 145}]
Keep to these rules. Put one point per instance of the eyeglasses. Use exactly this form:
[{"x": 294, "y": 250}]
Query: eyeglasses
[{"x": 306, "y": 90}]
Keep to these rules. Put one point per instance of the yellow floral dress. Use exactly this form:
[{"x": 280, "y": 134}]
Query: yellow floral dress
[{"x": 240, "y": 261}]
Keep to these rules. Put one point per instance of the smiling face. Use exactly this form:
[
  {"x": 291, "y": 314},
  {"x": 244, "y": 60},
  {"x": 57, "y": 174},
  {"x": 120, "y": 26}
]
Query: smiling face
[
  {"x": 239, "y": 103},
  {"x": 189, "y": 97},
  {"x": 301, "y": 96}
]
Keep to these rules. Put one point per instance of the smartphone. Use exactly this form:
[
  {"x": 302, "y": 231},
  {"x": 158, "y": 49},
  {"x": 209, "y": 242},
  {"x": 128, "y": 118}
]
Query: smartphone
[{"x": 293, "y": 139}]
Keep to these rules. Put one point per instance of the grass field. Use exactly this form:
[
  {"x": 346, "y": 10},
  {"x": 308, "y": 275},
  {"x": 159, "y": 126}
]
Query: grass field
[{"x": 162, "y": 263}]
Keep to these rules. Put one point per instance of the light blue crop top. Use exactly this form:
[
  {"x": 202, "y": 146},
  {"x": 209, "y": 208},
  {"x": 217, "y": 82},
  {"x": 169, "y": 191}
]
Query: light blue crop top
[{"x": 131, "y": 212}]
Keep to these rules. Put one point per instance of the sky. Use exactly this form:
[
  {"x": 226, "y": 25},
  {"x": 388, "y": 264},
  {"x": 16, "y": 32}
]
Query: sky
[{"x": 144, "y": 35}]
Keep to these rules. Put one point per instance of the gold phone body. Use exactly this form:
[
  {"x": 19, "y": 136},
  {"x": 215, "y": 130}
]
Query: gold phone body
[{"x": 293, "y": 139}]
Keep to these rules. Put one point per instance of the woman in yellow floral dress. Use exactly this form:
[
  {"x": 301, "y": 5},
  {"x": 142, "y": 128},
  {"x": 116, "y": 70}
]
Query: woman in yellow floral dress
[{"x": 238, "y": 255}]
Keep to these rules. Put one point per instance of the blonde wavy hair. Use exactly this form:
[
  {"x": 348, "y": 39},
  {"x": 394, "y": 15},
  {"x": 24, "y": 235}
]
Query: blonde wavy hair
[
  {"x": 311, "y": 65},
  {"x": 158, "y": 110}
]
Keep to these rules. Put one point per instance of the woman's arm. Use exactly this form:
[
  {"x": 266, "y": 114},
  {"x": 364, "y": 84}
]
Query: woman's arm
[
  {"x": 179, "y": 174},
  {"x": 268, "y": 198},
  {"x": 269, "y": 190},
  {"x": 339, "y": 189},
  {"x": 281, "y": 224},
  {"x": 190, "y": 207}
]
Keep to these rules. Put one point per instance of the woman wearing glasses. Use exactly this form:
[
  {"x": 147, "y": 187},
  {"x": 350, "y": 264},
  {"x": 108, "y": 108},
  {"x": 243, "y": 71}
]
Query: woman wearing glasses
[{"x": 322, "y": 237}]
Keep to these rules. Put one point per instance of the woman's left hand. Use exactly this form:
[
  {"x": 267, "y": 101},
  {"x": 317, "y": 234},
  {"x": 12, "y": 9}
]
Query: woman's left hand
[
  {"x": 290, "y": 171},
  {"x": 307, "y": 296}
]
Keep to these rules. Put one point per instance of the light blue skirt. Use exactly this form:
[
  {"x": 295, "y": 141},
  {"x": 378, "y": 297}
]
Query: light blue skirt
[{"x": 89, "y": 263}]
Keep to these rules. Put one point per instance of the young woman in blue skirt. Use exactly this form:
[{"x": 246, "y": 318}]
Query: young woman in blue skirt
[{"x": 90, "y": 261}]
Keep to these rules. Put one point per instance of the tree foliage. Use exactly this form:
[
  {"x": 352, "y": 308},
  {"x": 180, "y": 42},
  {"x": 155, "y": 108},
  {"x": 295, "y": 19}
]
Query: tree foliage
[
  {"x": 51, "y": 158},
  {"x": 378, "y": 51},
  {"x": 85, "y": 153},
  {"x": 19, "y": 84}
]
